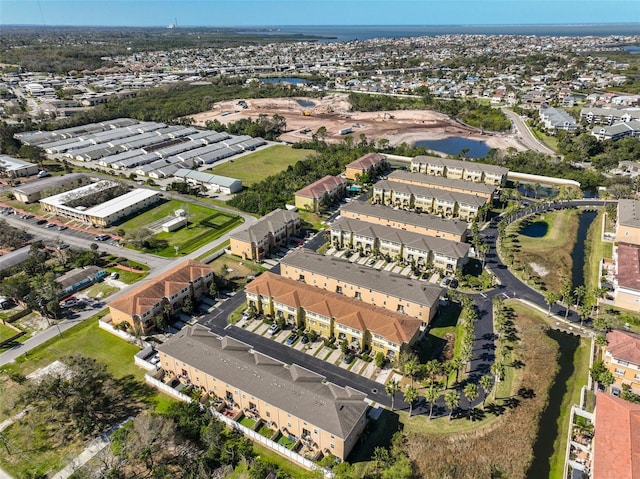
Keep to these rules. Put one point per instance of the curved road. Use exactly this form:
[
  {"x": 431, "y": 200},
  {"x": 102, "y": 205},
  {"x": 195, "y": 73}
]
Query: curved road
[{"x": 524, "y": 134}]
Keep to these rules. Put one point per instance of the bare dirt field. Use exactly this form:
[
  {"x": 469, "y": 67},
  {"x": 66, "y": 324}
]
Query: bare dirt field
[{"x": 305, "y": 116}]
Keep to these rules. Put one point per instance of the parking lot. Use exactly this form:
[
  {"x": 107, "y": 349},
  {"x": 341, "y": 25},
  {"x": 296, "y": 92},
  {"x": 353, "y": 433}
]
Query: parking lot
[{"x": 316, "y": 349}]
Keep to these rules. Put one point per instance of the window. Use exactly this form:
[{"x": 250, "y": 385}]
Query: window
[
  {"x": 623, "y": 363},
  {"x": 333, "y": 446},
  {"x": 400, "y": 309},
  {"x": 268, "y": 414},
  {"x": 339, "y": 289},
  {"x": 358, "y": 295},
  {"x": 619, "y": 372}
]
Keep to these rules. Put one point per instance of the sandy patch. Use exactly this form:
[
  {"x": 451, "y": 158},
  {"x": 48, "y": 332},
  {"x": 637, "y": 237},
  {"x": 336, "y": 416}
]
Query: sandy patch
[
  {"x": 539, "y": 270},
  {"x": 333, "y": 113}
]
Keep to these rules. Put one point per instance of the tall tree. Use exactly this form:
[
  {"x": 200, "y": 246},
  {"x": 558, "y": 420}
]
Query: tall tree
[
  {"x": 410, "y": 395},
  {"x": 391, "y": 388},
  {"x": 432, "y": 395},
  {"x": 452, "y": 400},
  {"x": 471, "y": 393},
  {"x": 487, "y": 383}
]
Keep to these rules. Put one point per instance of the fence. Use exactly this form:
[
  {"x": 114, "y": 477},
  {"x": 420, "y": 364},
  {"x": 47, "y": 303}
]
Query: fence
[{"x": 253, "y": 435}]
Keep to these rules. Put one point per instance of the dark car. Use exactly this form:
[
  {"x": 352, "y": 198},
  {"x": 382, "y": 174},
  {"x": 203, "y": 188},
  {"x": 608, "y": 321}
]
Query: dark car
[
  {"x": 453, "y": 284},
  {"x": 348, "y": 359},
  {"x": 304, "y": 339},
  {"x": 41, "y": 222},
  {"x": 291, "y": 339}
]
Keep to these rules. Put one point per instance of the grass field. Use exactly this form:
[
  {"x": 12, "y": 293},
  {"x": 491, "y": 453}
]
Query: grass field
[
  {"x": 596, "y": 249},
  {"x": 240, "y": 269},
  {"x": 552, "y": 251},
  {"x": 36, "y": 453},
  {"x": 261, "y": 164},
  {"x": 6, "y": 332},
  {"x": 191, "y": 237},
  {"x": 517, "y": 423}
]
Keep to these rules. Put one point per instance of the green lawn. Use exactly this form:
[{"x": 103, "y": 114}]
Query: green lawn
[
  {"x": 204, "y": 256},
  {"x": 100, "y": 290},
  {"x": 597, "y": 249},
  {"x": 195, "y": 213},
  {"x": 6, "y": 332},
  {"x": 313, "y": 220},
  {"x": 261, "y": 164},
  {"x": 445, "y": 323},
  {"x": 125, "y": 276}
]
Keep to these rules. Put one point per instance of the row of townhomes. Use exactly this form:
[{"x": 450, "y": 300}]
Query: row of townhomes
[
  {"x": 621, "y": 356},
  {"x": 459, "y": 169},
  {"x": 483, "y": 190},
  {"x": 448, "y": 204},
  {"x": 368, "y": 164},
  {"x": 379, "y": 288},
  {"x": 361, "y": 324},
  {"x": 430, "y": 225},
  {"x": 266, "y": 235},
  {"x": 141, "y": 306},
  {"x": 320, "y": 193},
  {"x": 299, "y": 403},
  {"x": 417, "y": 248},
  {"x": 627, "y": 255}
]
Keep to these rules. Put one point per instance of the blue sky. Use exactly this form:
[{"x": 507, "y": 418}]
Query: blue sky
[{"x": 316, "y": 12}]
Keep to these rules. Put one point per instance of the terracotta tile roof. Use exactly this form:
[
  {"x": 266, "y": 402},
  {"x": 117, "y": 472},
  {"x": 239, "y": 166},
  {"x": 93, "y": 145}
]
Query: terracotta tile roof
[
  {"x": 394, "y": 327},
  {"x": 616, "y": 453},
  {"x": 629, "y": 266},
  {"x": 624, "y": 345},
  {"x": 144, "y": 297},
  {"x": 321, "y": 187},
  {"x": 367, "y": 161}
]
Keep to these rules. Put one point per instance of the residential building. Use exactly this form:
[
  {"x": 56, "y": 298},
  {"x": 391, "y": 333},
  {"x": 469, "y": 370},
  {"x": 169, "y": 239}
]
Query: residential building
[
  {"x": 380, "y": 288},
  {"x": 448, "y": 204},
  {"x": 321, "y": 193},
  {"x": 458, "y": 169},
  {"x": 14, "y": 168},
  {"x": 80, "y": 278},
  {"x": 414, "y": 248},
  {"x": 609, "y": 116},
  {"x": 104, "y": 214},
  {"x": 365, "y": 164},
  {"x": 617, "y": 131},
  {"x": 43, "y": 187},
  {"x": 616, "y": 443},
  {"x": 142, "y": 305},
  {"x": 482, "y": 190},
  {"x": 430, "y": 225},
  {"x": 555, "y": 119},
  {"x": 266, "y": 235},
  {"x": 289, "y": 398},
  {"x": 216, "y": 183},
  {"x": 621, "y": 356},
  {"x": 362, "y": 325},
  {"x": 628, "y": 222}
]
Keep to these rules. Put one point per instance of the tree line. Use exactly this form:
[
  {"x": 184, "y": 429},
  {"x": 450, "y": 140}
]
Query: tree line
[{"x": 263, "y": 126}]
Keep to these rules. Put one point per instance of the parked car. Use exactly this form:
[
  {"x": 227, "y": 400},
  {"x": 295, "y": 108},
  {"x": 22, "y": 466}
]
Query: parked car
[
  {"x": 51, "y": 225},
  {"x": 291, "y": 339},
  {"x": 62, "y": 228},
  {"x": 41, "y": 222},
  {"x": 102, "y": 237},
  {"x": 348, "y": 358},
  {"x": 304, "y": 339},
  {"x": 114, "y": 275},
  {"x": 274, "y": 328},
  {"x": 445, "y": 281},
  {"x": 453, "y": 284}
]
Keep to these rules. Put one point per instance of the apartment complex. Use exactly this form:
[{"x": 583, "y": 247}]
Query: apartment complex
[
  {"x": 617, "y": 131},
  {"x": 415, "y": 248},
  {"x": 144, "y": 304},
  {"x": 328, "y": 313},
  {"x": 608, "y": 115},
  {"x": 448, "y": 204},
  {"x": 455, "y": 230},
  {"x": 461, "y": 170},
  {"x": 11, "y": 167},
  {"x": 616, "y": 443},
  {"x": 379, "y": 288},
  {"x": 266, "y": 235},
  {"x": 627, "y": 255},
  {"x": 621, "y": 356},
  {"x": 289, "y": 398},
  {"x": 69, "y": 204},
  {"x": 555, "y": 119},
  {"x": 33, "y": 191},
  {"x": 368, "y": 164},
  {"x": 474, "y": 188},
  {"x": 320, "y": 193}
]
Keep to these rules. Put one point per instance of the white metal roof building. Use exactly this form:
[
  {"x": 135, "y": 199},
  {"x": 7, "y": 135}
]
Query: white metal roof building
[
  {"x": 104, "y": 214},
  {"x": 14, "y": 168},
  {"x": 212, "y": 182}
]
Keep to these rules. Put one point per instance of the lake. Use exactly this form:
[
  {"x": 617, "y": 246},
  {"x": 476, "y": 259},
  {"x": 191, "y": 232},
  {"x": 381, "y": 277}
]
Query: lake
[
  {"x": 537, "y": 229},
  {"x": 453, "y": 145}
]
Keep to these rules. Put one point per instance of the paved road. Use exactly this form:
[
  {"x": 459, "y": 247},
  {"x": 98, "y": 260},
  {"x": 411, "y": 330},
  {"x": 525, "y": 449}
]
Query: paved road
[{"x": 524, "y": 134}]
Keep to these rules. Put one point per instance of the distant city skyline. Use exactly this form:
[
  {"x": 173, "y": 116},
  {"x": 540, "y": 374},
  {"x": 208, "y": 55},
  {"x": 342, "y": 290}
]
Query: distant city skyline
[{"x": 257, "y": 13}]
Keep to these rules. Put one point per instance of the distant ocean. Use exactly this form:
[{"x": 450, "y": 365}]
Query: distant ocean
[{"x": 343, "y": 33}]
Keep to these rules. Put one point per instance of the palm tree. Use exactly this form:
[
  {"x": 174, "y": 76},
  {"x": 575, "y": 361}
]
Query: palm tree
[
  {"x": 432, "y": 395},
  {"x": 410, "y": 395},
  {"x": 487, "y": 383},
  {"x": 580, "y": 292},
  {"x": 452, "y": 400},
  {"x": 471, "y": 392},
  {"x": 432, "y": 369},
  {"x": 391, "y": 388},
  {"x": 550, "y": 297},
  {"x": 410, "y": 369},
  {"x": 601, "y": 340},
  {"x": 497, "y": 369},
  {"x": 457, "y": 364},
  {"x": 565, "y": 292},
  {"x": 447, "y": 369}
]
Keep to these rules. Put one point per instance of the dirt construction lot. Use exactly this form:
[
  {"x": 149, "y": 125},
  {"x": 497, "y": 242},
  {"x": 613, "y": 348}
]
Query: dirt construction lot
[{"x": 305, "y": 115}]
